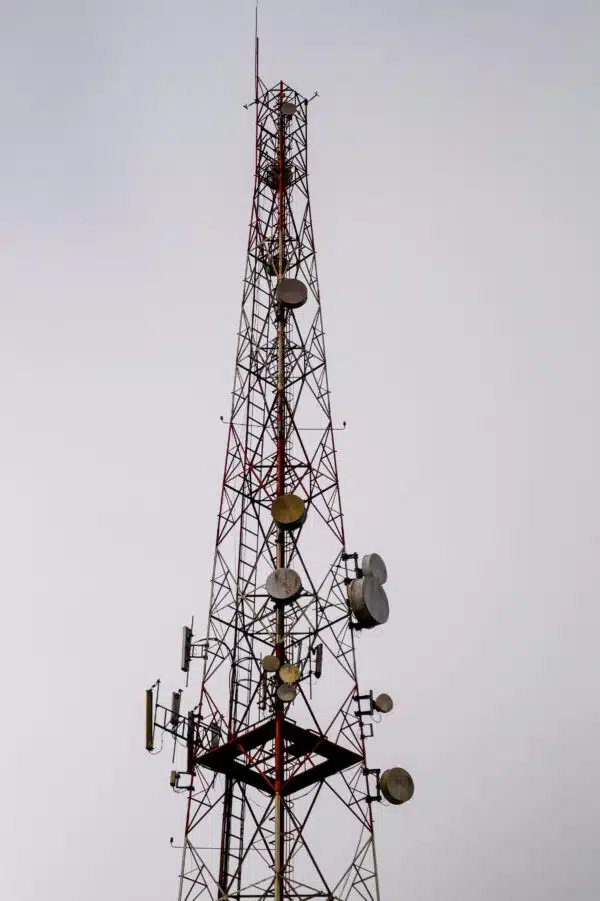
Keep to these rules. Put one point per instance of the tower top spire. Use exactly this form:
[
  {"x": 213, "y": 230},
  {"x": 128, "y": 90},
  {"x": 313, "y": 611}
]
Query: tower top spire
[{"x": 256, "y": 69}]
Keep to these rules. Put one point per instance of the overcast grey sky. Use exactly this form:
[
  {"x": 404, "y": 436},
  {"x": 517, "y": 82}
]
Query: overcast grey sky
[{"x": 454, "y": 165}]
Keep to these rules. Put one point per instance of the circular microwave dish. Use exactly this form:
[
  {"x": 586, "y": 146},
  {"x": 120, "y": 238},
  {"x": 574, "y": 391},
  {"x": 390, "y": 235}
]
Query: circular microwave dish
[
  {"x": 368, "y": 602},
  {"x": 286, "y": 692},
  {"x": 373, "y": 565},
  {"x": 289, "y": 673},
  {"x": 283, "y": 584},
  {"x": 383, "y": 703},
  {"x": 292, "y": 293},
  {"x": 288, "y": 511},
  {"x": 271, "y": 663},
  {"x": 396, "y": 785}
]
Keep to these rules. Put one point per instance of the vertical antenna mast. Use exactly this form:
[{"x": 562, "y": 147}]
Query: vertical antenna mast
[
  {"x": 273, "y": 763},
  {"x": 256, "y": 68}
]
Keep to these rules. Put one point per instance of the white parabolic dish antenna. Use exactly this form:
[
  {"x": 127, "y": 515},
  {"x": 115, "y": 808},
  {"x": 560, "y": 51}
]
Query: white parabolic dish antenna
[
  {"x": 284, "y": 584},
  {"x": 373, "y": 565},
  {"x": 288, "y": 109},
  {"x": 286, "y": 692},
  {"x": 368, "y": 602}
]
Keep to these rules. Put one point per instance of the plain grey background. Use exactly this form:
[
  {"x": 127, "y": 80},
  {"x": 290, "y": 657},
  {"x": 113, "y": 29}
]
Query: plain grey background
[{"x": 454, "y": 165}]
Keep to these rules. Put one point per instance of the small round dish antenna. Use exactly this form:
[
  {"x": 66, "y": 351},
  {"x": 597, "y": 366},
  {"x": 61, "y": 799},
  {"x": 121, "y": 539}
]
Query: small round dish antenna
[
  {"x": 383, "y": 703},
  {"x": 284, "y": 585},
  {"x": 373, "y": 565},
  {"x": 288, "y": 511},
  {"x": 289, "y": 673},
  {"x": 288, "y": 110},
  {"x": 292, "y": 293},
  {"x": 286, "y": 692},
  {"x": 368, "y": 602},
  {"x": 396, "y": 785},
  {"x": 271, "y": 663}
]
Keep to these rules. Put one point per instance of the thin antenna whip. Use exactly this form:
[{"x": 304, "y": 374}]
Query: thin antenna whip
[{"x": 256, "y": 76}]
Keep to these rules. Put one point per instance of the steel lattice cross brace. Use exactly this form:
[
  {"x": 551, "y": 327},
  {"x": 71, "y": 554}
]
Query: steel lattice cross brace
[{"x": 279, "y": 794}]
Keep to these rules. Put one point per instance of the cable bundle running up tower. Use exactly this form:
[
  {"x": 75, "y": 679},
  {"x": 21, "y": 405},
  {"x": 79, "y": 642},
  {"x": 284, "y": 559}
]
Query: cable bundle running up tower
[{"x": 272, "y": 756}]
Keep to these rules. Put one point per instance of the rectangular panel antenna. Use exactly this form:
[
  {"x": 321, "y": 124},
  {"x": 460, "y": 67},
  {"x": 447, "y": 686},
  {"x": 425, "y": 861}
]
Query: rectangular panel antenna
[
  {"x": 318, "y": 661},
  {"x": 190, "y": 743},
  {"x": 175, "y": 705},
  {"x": 186, "y": 649}
]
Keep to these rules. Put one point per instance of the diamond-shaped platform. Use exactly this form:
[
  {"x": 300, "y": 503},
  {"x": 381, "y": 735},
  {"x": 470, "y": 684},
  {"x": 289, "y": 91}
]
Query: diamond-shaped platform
[{"x": 246, "y": 757}]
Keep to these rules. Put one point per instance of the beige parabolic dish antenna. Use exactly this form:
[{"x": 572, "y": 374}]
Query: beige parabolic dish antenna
[
  {"x": 288, "y": 110},
  {"x": 284, "y": 585},
  {"x": 286, "y": 692},
  {"x": 271, "y": 663},
  {"x": 289, "y": 673},
  {"x": 396, "y": 785},
  {"x": 373, "y": 565},
  {"x": 288, "y": 511},
  {"x": 368, "y": 602},
  {"x": 291, "y": 292},
  {"x": 383, "y": 703}
]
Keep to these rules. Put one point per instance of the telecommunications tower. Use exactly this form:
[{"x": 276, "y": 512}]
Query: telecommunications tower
[{"x": 272, "y": 756}]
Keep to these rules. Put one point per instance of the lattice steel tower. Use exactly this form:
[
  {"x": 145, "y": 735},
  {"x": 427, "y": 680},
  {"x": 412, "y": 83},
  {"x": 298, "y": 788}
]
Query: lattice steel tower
[{"x": 272, "y": 757}]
